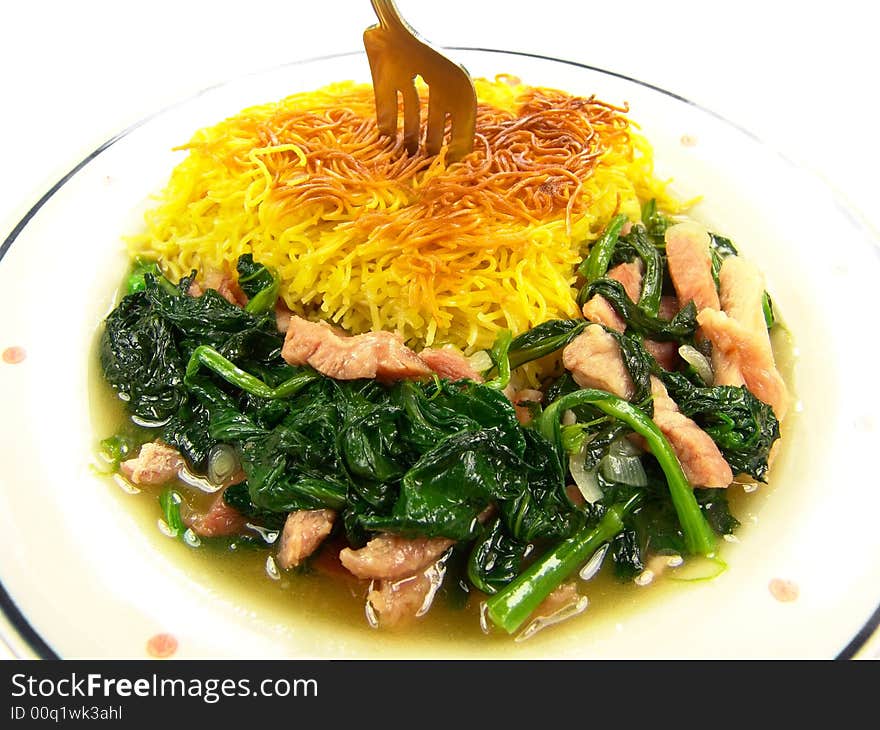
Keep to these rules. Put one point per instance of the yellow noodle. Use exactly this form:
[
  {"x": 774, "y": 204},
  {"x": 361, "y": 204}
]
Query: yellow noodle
[{"x": 370, "y": 238}]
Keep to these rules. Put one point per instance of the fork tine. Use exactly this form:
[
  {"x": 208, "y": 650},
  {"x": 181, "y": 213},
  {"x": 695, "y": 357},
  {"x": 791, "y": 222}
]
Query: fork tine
[
  {"x": 383, "y": 86},
  {"x": 386, "y": 109},
  {"x": 462, "y": 142},
  {"x": 397, "y": 56},
  {"x": 411, "y": 116},
  {"x": 436, "y": 123}
]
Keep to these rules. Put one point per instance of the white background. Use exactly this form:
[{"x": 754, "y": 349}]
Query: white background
[{"x": 800, "y": 76}]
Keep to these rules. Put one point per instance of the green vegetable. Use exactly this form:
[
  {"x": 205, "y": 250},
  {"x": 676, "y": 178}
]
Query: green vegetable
[
  {"x": 501, "y": 360},
  {"x": 543, "y": 339},
  {"x": 544, "y": 510},
  {"x": 720, "y": 248},
  {"x": 714, "y": 504},
  {"x": 679, "y": 328},
  {"x": 743, "y": 427},
  {"x": 456, "y": 587},
  {"x": 652, "y": 280},
  {"x": 445, "y": 491},
  {"x": 639, "y": 364},
  {"x": 141, "y": 360},
  {"x": 654, "y": 221},
  {"x": 170, "y": 501},
  {"x": 496, "y": 559},
  {"x": 117, "y": 449},
  {"x": 433, "y": 458},
  {"x": 596, "y": 263},
  {"x": 135, "y": 281},
  {"x": 258, "y": 283},
  {"x": 237, "y": 497},
  {"x": 767, "y": 306},
  {"x": 511, "y": 607},
  {"x": 208, "y": 356},
  {"x": 697, "y": 533}
]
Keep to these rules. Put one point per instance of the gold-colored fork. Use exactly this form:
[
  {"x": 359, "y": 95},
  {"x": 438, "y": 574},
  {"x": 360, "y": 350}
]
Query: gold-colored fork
[{"x": 397, "y": 55}]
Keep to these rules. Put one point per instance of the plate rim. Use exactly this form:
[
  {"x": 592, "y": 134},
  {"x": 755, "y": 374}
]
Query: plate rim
[{"x": 27, "y": 635}]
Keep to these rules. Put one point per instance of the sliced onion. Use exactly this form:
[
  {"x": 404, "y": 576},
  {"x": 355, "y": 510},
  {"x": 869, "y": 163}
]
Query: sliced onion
[
  {"x": 594, "y": 564},
  {"x": 623, "y": 446},
  {"x": 222, "y": 463},
  {"x": 623, "y": 470},
  {"x": 480, "y": 361},
  {"x": 587, "y": 481},
  {"x": 698, "y": 568},
  {"x": 698, "y": 361}
]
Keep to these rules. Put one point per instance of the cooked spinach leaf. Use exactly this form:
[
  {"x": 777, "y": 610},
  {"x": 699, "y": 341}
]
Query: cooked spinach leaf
[
  {"x": 596, "y": 263},
  {"x": 170, "y": 501},
  {"x": 449, "y": 486},
  {"x": 496, "y": 559},
  {"x": 679, "y": 328},
  {"x": 743, "y": 427},
  {"x": 237, "y": 497},
  {"x": 141, "y": 361},
  {"x": 259, "y": 284},
  {"x": 543, "y": 339}
]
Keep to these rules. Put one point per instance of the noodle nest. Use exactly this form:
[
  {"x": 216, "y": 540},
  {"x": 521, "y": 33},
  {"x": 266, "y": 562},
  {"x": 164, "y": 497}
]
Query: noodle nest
[{"x": 368, "y": 237}]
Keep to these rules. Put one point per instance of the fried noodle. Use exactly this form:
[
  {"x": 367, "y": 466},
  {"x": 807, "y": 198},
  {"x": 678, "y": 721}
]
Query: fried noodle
[{"x": 370, "y": 238}]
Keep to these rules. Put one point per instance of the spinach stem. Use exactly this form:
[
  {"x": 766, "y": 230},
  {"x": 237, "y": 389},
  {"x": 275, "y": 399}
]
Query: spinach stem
[
  {"x": 652, "y": 281},
  {"x": 501, "y": 359},
  {"x": 231, "y": 373},
  {"x": 265, "y": 299},
  {"x": 596, "y": 263},
  {"x": 698, "y": 536},
  {"x": 511, "y": 607}
]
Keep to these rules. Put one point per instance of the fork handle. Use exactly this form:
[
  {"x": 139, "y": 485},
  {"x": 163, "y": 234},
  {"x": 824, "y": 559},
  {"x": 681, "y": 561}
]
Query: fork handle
[{"x": 389, "y": 15}]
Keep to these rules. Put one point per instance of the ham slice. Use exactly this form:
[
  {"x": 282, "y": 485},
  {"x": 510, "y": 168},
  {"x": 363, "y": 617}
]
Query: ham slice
[
  {"x": 689, "y": 261},
  {"x": 392, "y": 557},
  {"x": 304, "y": 531},
  {"x": 741, "y": 350},
  {"x": 379, "y": 355},
  {"x": 594, "y": 361}
]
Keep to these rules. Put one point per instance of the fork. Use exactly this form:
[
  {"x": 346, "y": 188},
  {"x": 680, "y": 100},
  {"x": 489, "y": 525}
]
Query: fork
[{"x": 397, "y": 55}]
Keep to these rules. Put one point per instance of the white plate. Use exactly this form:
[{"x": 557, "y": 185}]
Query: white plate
[{"x": 81, "y": 571}]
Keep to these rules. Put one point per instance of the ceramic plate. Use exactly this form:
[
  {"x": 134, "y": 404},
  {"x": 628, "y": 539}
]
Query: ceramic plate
[{"x": 85, "y": 575}]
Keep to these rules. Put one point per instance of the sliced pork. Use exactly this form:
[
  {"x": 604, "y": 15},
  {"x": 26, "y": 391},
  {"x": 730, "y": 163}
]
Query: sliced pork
[
  {"x": 282, "y": 315},
  {"x": 450, "y": 364},
  {"x": 219, "y": 521},
  {"x": 563, "y": 596},
  {"x": 598, "y": 309},
  {"x": 741, "y": 350},
  {"x": 398, "y": 602},
  {"x": 392, "y": 557},
  {"x": 155, "y": 464},
  {"x": 522, "y": 401},
  {"x": 742, "y": 287},
  {"x": 739, "y": 357},
  {"x": 665, "y": 353},
  {"x": 379, "y": 355},
  {"x": 699, "y": 456},
  {"x": 594, "y": 361},
  {"x": 224, "y": 283},
  {"x": 304, "y": 531},
  {"x": 689, "y": 262}
]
